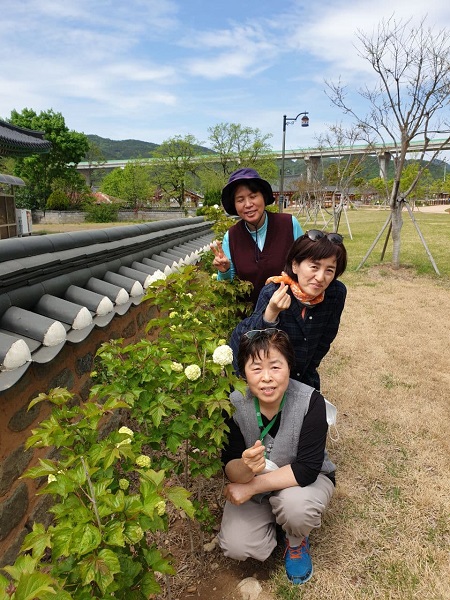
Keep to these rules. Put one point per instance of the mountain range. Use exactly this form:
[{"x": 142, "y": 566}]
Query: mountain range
[{"x": 126, "y": 149}]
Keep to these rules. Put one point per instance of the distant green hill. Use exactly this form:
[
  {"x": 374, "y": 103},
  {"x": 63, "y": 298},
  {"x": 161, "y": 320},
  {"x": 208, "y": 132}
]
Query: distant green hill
[{"x": 126, "y": 149}]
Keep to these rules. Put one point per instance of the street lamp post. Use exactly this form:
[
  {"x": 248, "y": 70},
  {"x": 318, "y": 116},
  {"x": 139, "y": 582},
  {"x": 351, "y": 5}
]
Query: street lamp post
[{"x": 291, "y": 121}]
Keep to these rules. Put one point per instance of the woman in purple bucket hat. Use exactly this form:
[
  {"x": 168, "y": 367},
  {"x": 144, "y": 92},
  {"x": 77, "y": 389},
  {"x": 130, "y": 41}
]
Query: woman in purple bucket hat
[{"x": 256, "y": 247}]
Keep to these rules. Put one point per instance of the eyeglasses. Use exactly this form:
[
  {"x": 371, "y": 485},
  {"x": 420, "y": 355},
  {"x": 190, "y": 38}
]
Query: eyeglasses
[
  {"x": 255, "y": 334},
  {"x": 316, "y": 234}
]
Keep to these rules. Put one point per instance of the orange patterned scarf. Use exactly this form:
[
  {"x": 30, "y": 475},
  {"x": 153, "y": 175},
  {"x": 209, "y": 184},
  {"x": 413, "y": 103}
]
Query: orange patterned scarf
[{"x": 305, "y": 299}]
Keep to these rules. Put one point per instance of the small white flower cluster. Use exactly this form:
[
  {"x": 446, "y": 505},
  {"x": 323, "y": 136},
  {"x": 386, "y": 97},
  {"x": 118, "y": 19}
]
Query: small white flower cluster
[
  {"x": 160, "y": 508},
  {"x": 177, "y": 367},
  {"x": 192, "y": 372},
  {"x": 173, "y": 314},
  {"x": 223, "y": 355},
  {"x": 143, "y": 461}
]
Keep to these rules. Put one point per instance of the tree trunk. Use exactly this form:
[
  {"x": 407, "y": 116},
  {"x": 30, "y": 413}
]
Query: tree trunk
[{"x": 397, "y": 223}]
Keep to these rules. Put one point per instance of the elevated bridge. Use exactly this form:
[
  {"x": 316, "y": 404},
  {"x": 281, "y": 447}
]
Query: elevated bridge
[{"x": 312, "y": 156}]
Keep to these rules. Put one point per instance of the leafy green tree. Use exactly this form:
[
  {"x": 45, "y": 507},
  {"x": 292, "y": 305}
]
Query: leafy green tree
[
  {"x": 131, "y": 184},
  {"x": 74, "y": 187},
  {"x": 112, "y": 183},
  {"x": 39, "y": 171},
  {"x": 136, "y": 187},
  {"x": 236, "y": 146},
  {"x": 177, "y": 166},
  {"x": 58, "y": 200}
]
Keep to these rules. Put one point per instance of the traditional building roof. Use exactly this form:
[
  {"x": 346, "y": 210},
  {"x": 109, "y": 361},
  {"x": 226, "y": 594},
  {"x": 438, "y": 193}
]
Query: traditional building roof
[{"x": 18, "y": 141}]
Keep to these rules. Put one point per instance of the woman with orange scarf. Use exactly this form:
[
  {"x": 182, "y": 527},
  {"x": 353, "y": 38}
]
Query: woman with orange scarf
[{"x": 306, "y": 301}]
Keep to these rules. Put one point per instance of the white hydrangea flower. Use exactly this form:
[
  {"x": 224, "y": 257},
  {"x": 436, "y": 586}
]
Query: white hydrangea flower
[
  {"x": 192, "y": 372},
  {"x": 223, "y": 355},
  {"x": 143, "y": 461},
  {"x": 177, "y": 367},
  {"x": 161, "y": 508},
  {"x": 51, "y": 478},
  {"x": 214, "y": 276},
  {"x": 124, "y": 484}
]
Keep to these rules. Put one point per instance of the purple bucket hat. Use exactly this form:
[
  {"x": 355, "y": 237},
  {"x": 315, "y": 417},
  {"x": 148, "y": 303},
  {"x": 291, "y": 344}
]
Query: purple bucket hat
[{"x": 243, "y": 176}]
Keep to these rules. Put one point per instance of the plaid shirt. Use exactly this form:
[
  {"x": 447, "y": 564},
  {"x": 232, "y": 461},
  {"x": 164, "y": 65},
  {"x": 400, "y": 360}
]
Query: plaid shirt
[{"x": 311, "y": 336}]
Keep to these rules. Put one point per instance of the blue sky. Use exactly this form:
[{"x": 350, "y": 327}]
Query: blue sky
[{"x": 153, "y": 69}]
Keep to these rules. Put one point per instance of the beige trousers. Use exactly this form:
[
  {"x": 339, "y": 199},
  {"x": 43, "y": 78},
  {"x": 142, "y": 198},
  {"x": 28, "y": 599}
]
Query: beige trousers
[{"x": 248, "y": 530}]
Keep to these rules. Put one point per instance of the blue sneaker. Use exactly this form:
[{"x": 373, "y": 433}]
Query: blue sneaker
[{"x": 298, "y": 562}]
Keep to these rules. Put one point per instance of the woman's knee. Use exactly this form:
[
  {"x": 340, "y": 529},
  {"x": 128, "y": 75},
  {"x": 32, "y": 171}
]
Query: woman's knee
[{"x": 241, "y": 549}]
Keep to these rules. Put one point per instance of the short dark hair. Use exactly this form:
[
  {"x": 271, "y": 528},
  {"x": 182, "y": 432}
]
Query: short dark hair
[
  {"x": 304, "y": 248},
  {"x": 259, "y": 345}
]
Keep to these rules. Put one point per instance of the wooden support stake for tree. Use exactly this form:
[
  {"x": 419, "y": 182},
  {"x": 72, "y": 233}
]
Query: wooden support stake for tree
[
  {"x": 386, "y": 241},
  {"x": 422, "y": 239},
  {"x": 369, "y": 251}
]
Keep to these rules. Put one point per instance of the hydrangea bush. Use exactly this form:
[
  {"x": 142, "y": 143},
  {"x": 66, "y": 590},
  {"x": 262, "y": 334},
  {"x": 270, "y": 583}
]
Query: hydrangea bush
[{"x": 112, "y": 491}]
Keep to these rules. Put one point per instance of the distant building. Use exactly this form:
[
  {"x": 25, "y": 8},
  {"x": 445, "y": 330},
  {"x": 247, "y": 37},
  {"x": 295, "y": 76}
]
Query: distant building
[{"x": 15, "y": 142}]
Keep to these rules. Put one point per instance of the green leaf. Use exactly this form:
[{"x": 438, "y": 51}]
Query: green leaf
[
  {"x": 86, "y": 538},
  {"x": 24, "y": 564},
  {"x": 33, "y": 585},
  {"x": 113, "y": 534},
  {"x": 157, "y": 562},
  {"x": 149, "y": 585},
  {"x": 180, "y": 498},
  {"x": 100, "y": 568},
  {"x": 37, "y": 541},
  {"x": 61, "y": 541},
  {"x": 44, "y": 469},
  {"x": 133, "y": 533}
]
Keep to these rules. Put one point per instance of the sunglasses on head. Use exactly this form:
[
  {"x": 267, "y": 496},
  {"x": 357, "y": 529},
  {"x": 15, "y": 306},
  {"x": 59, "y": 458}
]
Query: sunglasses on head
[
  {"x": 315, "y": 234},
  {"x": 255, "y": 334}
]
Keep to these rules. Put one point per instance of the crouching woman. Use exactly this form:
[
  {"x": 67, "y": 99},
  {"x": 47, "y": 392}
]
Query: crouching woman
[{"x": 275, "y": 458}]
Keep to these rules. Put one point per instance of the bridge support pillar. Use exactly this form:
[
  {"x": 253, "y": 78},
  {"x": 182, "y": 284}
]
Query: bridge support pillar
[
  {"x": 312, "y": 166},
  {"x": 383, "y": 160}
]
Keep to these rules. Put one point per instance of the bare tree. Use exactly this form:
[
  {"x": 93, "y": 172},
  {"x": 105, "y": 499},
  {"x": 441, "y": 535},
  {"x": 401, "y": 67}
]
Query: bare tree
[
  {"x": 413, "y": 87},
  {"x": 343, "y": 174}
]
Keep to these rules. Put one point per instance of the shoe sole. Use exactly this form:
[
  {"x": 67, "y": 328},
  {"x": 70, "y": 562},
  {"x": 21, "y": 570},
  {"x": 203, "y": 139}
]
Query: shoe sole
[{"x": 301, "y": 581}]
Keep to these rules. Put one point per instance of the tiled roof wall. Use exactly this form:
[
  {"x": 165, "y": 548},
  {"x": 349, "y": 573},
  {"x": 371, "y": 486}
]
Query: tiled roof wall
[{"x": 58, "y": 288}]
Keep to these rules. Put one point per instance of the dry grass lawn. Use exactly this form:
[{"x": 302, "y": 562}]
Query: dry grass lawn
[{"x": 387, "y": 533}]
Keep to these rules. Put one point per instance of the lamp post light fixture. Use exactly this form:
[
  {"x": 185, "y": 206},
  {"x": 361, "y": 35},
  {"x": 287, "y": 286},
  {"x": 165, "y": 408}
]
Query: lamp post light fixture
[{"x": 286, "y": 121}]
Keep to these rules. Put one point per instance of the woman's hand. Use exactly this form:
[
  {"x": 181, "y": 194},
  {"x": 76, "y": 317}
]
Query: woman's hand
[
  {"x": 221, "y": 262},
  {"x": 253, "y": 457},
  {"x": 279, "y": 301}
]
